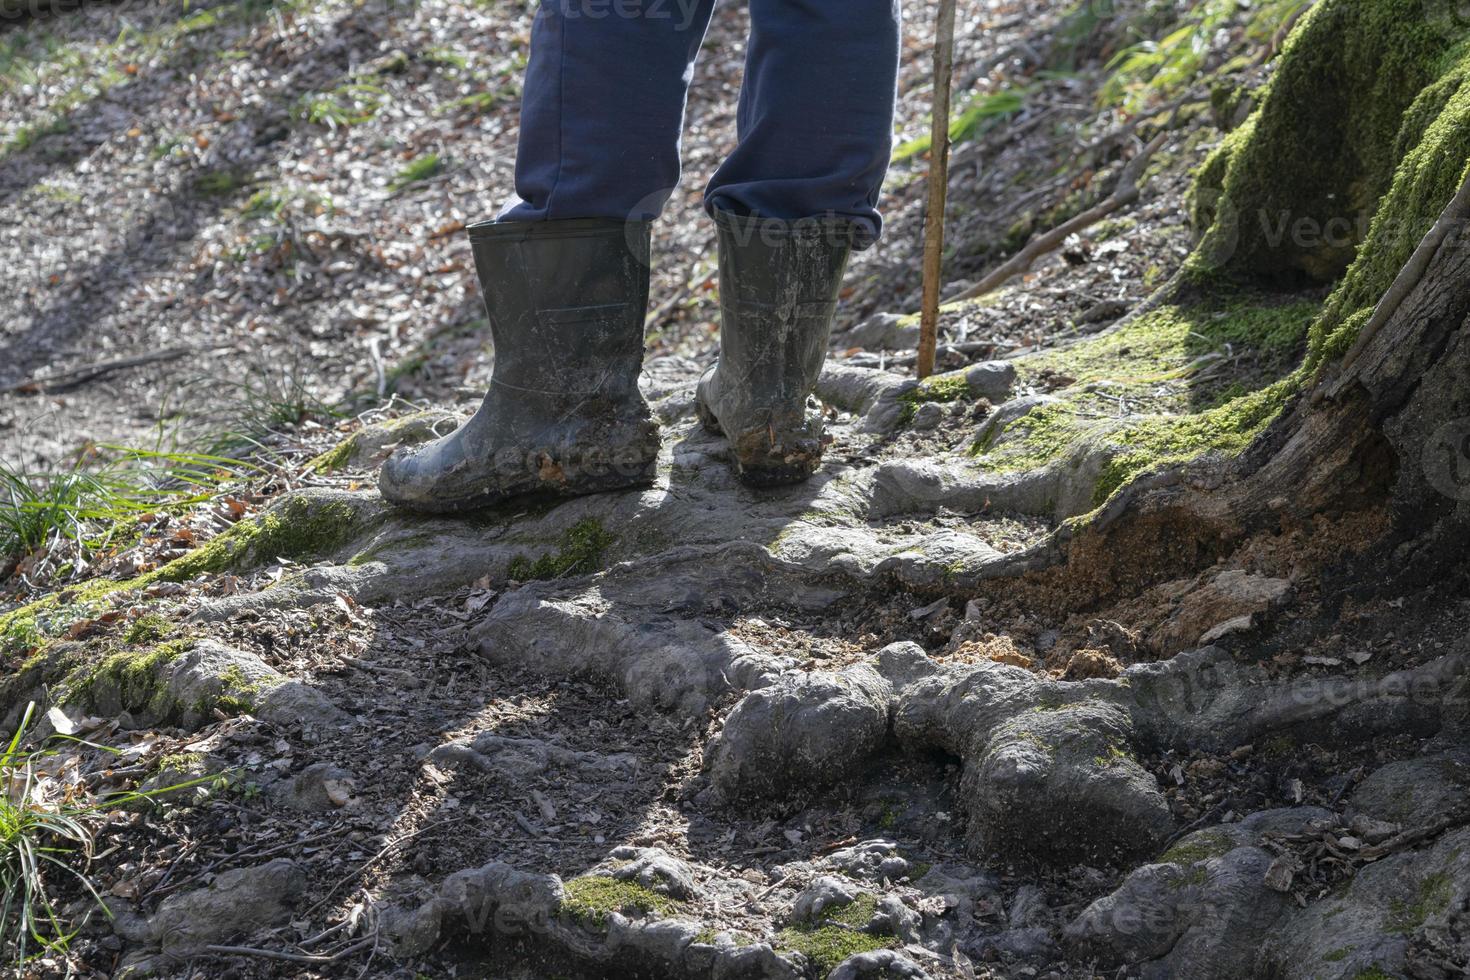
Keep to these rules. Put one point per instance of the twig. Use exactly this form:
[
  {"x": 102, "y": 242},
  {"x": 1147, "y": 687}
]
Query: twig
[
  {"x": 76, "y": 377},
  {"x": 680, "y": 295},
  {"x": 1127, "y": 192},
  {"x": 398, "y": 841},
  {"x": 938, "y": 187},
  {"x": 378, "y": 370},
  {"x": 276, "y": 954}
]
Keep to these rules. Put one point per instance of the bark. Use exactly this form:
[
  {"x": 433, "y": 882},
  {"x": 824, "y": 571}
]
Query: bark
[{"x": 1384, "y": 440}]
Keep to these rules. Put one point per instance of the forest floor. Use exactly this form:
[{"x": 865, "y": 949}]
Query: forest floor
[{"x": 696, "y": 730}]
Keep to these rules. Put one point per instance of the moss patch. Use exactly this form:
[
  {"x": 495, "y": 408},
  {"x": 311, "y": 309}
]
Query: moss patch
[
  {"x": 1321, "y": 149},
  {"x": 589, "y": 900},
  {"x": 1435, "y": 147},
  {"x": 150, "y": 628},
  {"x": 1435, "y": 892},
  {"x": 1199, "y": 847},
  {"x": 581, "y": 550},
  {"x": 237, "y": 694},
  {"x": 942, "y": 388},
  {"x": 32, "y": 626},
  {"x": 132, "y": 675},
  {"x": 838, "y": 936},
  {"x": 1164, "y": 368},
  {"x": 1361, "y": 140},
  {"x": 297, "y": 527},
  {"x": 335, "y": 458}
]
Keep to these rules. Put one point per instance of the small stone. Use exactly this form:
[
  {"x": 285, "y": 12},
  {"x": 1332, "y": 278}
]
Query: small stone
[
  {"x": 1372, "y": 830},
  {"x": 1280, "y": 874},
  {"x": 821, "y": 896},
  {"x": 927, "y": 417},
  {"x": 995, "y": 381}
]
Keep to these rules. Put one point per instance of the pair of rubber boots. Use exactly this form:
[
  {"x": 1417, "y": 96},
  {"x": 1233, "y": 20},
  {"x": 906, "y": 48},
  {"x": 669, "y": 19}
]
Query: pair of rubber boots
[{"x": 567, "y": 303}]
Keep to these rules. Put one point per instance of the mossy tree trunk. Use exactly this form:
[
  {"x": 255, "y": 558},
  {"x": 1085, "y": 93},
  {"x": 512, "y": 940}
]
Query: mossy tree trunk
[
  {"x": 1353, "y": 173},
  {"x": 1384, "y": 442}
]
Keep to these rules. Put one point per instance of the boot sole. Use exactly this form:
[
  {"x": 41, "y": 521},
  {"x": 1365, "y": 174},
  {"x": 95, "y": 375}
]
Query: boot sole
[
  {"x": 639, "y": 469},
  {"x": 756, "y": 466}
]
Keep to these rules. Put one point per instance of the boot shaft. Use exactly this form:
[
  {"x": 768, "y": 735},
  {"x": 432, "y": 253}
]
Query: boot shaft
[
  {"x": 779, "y": 282},
  {"x": 566, "y": 301}
]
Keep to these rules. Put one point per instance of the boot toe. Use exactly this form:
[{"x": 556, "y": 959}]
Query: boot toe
[
  {"x": 400, "y": 479},
  {"x": 774, "y": 457},
  {"x": 704, "y": 401}
]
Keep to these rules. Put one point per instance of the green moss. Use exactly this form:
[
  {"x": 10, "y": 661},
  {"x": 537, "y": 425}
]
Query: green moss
[
  {"x": 1156, "y": 442},
  {"x": 1193, "y": 877},
  {"x": 1321, "y": 151},
  {"x": 943, "y": 388},
  {"x": 180, "y": 762},
  {"x": 297, "y": 527},
  {"x": 237, "y": 693},
  {"x": 1361, "y": 140},
  {"x": 32, "y": 626},
  {"x": 1337, "y": 955},
  {"x": 1435, "y": 148},
  {"x": 1112, "y": 228},
  {"x": 1151, "y": 365},
  {"x": 581, "y": 549},
  {"x": 589, "y": 900},
  {"x": 133, "y": 675},
  {"x": 836, "y": 937},
  {"x": 150, "y": 628},
  {"x": 1199, "y": 847},
  {"x": 20, "y": 632},
  {"x": 335, "y": 458},
  {"x": 1209, "y": 184},
  {"x": 1435, "y": 892},
  {"x": 45, "y": 669},
  {"x": 1373, "y": 973}
]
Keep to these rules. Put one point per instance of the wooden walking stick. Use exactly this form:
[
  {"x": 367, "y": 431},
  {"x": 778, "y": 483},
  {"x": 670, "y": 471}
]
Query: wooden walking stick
[{"x": 938, "y": 187}]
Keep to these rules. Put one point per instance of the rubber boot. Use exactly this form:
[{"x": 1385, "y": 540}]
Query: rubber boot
[
  {"x": 567, "y": 301},
  {"x": 778, "y": 293}
]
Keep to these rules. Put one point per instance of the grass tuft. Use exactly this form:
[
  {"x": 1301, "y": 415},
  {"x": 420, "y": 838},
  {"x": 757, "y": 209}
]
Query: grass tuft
[
  {"x": 46, "y": 840},
  {"x": 417, "y": 170}
]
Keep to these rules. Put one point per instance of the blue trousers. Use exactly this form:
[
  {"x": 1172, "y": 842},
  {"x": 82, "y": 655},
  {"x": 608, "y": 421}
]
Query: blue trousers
[{"x": 603, "y": 110}]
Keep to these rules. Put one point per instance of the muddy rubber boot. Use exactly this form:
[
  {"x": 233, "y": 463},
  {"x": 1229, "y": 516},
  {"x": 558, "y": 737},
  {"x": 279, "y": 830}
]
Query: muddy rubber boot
[
  {"x": 778, "y": 294},
  {"x": 567, "y": 301}
]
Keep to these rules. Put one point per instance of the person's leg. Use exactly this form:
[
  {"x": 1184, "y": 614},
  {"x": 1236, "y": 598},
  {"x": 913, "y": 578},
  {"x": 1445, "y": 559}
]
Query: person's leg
[
  {"x": 603, "y": 107},
  {"x": 816, "y": 113},
  {"x": 564, "y": 269},
  {"x": 796, "y": 197}
]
